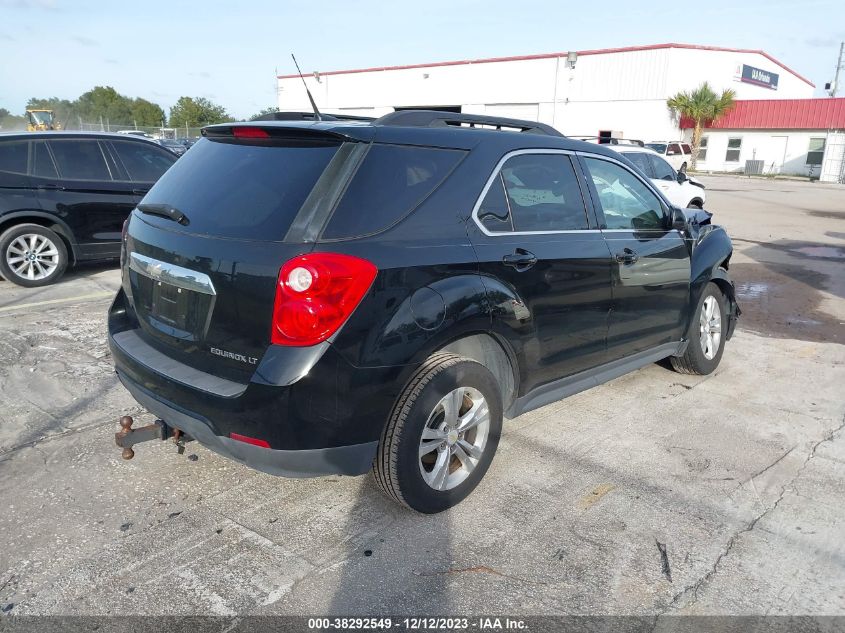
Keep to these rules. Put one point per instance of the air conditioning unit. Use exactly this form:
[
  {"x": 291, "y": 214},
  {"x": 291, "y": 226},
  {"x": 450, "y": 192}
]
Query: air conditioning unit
[{"x": 754, "y": 167}]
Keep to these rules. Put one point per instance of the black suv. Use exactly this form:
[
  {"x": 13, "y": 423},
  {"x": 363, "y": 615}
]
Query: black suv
[
  {"x": 324, "y": 297},
  {"x": 64, "y": 197}
]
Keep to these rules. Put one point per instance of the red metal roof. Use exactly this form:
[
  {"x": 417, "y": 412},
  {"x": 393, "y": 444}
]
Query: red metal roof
[
  {"x": 598, "y": 51},
  {"x": 780, "y": 114}
]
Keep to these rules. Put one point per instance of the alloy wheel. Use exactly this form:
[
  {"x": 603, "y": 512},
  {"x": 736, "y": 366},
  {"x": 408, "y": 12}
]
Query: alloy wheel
[
  {"x": 454, "y": 438},
  {"x": 710, "y": 327}
]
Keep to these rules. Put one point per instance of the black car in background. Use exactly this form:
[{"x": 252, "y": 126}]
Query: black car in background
[
  {"x": 177, "y": 147},
  {"x": 64, "y": 197},
  {"x": 322, "y": 297}
]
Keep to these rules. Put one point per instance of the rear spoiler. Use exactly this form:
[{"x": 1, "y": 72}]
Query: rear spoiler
[{"x": 273, "y": 132}]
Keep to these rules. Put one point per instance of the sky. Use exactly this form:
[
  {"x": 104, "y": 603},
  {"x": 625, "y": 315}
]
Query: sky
[{"x": 229, "y": 52}]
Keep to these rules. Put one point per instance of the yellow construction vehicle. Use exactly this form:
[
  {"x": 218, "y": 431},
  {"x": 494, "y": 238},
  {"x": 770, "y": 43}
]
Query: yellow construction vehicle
[{"x": 40, "y": 121}]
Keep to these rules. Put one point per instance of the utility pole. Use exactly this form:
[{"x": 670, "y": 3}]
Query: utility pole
[{"x": 835, "y": 86}]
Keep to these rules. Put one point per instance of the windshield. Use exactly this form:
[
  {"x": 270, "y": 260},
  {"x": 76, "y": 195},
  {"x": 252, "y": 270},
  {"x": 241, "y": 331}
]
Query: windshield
[
  {"x": 42, "y": 118},
  {"x": 660, "y": 148}
]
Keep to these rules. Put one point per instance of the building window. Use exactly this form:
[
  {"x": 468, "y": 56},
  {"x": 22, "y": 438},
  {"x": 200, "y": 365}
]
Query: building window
[
  {"x": 702, "y": 149},
  {"x": 734, "y": 147},
  {"x": 815, "y": 153}
]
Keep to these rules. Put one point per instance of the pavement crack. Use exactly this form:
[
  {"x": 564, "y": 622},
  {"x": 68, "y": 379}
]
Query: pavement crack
[{"x": 694, "y": 587}]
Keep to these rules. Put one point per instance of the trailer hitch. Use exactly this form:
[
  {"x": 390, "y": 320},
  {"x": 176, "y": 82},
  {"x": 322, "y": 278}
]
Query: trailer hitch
[{"x": 127, "y": 437}]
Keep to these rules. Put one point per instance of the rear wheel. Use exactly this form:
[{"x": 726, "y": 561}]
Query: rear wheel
[
  {"x": 32, "y": 255},
  {"x": 441, "y": 436},
  {"x": 705, "y": 335},
  {"x": 683, "y": 167}
]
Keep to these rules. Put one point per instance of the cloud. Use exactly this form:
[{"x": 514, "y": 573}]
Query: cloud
[
  {"x": 5, "y": 37},
  {"x": 822, "y": 42},
  {"x": 84, "y": 41},
  {"x": 202, "y": 74}
]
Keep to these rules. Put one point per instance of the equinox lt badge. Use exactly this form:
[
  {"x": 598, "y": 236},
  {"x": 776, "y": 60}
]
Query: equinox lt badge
[{"x": 240, "y": 357}]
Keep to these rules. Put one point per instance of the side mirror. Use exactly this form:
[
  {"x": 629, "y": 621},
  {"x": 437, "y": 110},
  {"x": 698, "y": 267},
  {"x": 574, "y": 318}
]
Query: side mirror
[
  {"x": 677, "y": 220},
  {"x": 682, "y": 177}
]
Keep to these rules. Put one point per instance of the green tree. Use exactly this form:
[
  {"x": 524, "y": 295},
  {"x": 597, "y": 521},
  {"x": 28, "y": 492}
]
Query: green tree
[
  {"x": 105, "y": 102},
  {"x": 263, "y": 112},
  {"x": 9, "y": 121},
  {"x": 196, "y": 112},
  {"x": 702, "y": 105},
  {"x": 146, "y": 113}
]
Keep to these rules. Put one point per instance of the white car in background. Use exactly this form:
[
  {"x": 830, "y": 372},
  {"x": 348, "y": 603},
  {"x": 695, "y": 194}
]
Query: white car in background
[
  {"x": 681, "y": 190},
  {"x": 677, "y": 153}
]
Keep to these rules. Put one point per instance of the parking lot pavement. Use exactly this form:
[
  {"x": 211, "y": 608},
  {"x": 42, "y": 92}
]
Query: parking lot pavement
[{"x": 736, "y": 476}]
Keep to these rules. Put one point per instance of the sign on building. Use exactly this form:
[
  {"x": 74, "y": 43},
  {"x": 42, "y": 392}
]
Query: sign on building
[{"x": 757, "y": 76}]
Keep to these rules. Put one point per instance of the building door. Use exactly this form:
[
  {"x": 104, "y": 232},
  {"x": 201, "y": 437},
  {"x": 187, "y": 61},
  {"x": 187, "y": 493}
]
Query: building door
[
  {"x": 777, "y": 150},
  {"x": 833, "y": 163}
]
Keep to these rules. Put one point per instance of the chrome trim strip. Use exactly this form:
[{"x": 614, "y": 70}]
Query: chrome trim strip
[
  {"x": 489, "y": 184},
  {"x": 171, "y": 274}
]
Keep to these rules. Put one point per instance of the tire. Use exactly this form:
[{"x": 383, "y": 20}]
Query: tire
[
  {"x": 696, "y": 360},
  {"x": 683, "y": 167},
  {"x": 695, "y": 204},
  {"x": 49, "y": 259},
  {"x": 441, "y": 478}
]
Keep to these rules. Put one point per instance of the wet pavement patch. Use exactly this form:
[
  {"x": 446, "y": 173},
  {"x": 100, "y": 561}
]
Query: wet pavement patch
[{"x": 782, "y": 300}]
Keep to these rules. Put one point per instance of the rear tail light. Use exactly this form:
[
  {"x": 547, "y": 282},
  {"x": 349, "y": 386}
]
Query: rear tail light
[
  {"x": 249, "y": 132},
  {"x": 315, "y": 295},
  {"x": 246, "y": 439}
]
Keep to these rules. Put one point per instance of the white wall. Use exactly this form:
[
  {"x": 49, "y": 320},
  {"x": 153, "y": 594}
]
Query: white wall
[
  {"x": 764, "y": 145},
  {"x": 624, "y": 92}
]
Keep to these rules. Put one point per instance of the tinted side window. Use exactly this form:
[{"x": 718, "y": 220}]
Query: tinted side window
[
  {"x": 13, "y": 156},
  {"x": 391, "y": 182},
  {"x": 494, "y": 212},
  {"x": 80, "y": 160},
  {"x": 143, "y": 161},
  {"x": 625, "y": 200},
  {"x": 673, "y": 150},
  {"x": 687, "y": 149},
  {"x": 662, "y": 169},
  {"x": 640, "y": 159},
  {"x": 42, "y": 164},
  {"x": 543, "y": 193}
]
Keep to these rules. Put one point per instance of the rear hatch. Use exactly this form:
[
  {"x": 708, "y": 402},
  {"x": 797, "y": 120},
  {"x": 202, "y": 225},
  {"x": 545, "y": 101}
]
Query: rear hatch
[{"x": 205, "y": 246}]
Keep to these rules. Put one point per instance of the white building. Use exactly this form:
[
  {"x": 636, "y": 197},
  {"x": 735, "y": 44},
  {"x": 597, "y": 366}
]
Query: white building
[
  {"x": 787, "y": 136},
  {"x": 621, "y": 91}
]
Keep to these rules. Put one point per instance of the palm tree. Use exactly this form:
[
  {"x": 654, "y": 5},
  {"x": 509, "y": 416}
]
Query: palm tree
[{"x": 702, "y": 105}]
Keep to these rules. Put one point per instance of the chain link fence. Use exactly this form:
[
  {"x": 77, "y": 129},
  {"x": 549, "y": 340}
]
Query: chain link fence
[{"x": 154, "y": 131}]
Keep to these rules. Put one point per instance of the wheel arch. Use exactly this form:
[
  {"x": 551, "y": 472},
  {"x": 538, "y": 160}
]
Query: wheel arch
[{"x": 58, "y": 226}]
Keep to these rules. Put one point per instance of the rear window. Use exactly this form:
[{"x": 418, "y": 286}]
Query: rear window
[
  {"x": 80, "y": 160},
  {"x": 391, "y": 182},
  {"x": 245, "y": 191}
]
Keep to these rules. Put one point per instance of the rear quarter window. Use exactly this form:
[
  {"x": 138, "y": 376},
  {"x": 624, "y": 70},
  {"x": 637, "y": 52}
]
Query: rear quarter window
[
  {"x": 143, "y": 161},
  {"x": 390, "y": 183}
]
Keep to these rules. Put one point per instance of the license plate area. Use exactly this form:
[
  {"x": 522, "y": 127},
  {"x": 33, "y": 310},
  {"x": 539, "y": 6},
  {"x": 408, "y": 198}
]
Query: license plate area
[{"x": 173, "y": 300}]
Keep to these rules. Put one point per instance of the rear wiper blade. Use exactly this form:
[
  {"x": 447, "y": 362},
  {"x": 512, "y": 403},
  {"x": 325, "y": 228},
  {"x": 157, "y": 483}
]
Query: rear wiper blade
[{"x": 165, "y": 211}]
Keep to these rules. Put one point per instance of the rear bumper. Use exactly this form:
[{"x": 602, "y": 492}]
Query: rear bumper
[{"x": 355, "y": 459}]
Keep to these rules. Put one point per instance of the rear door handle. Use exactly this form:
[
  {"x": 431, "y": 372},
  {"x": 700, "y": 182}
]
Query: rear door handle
[
  {"x": 140, "y": 192},
  {"x": 50, "y": 187},
  {"x": 627, "y": 256},
  {"x": 520, "y": 259}
]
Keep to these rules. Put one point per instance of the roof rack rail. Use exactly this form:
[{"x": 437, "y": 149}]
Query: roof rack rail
[
  {"x": 609, "y": 140},
  {"x": 437, "y": 118},
  {"x": 309, "y": 116}
]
